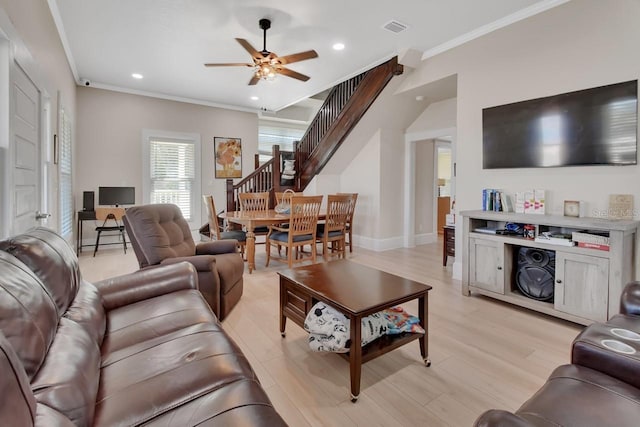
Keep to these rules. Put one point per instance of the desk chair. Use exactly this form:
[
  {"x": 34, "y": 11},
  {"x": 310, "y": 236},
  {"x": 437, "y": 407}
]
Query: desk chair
[{"x": 110, "y": 214}]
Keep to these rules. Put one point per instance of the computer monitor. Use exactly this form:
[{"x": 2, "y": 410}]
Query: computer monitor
[{"x": 115, "y": 196}]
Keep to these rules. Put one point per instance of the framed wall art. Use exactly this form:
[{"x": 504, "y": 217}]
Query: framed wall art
[{"x": 228, "y": 152}]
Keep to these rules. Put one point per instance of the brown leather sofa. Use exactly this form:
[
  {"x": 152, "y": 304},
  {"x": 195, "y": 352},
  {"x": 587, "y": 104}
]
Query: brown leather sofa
[
  {"x": 160, "y": 235},
  {"x": 601, "y": 386},
  {"x": 143, "y": 348}
]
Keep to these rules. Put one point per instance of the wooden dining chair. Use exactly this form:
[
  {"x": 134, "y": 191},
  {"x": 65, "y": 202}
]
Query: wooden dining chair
[
  {"x": 332, "y": 232},
  {"x": 349, "y": 229},
  {"x": 110, "y": 214},
  {"x": 303, "y": 221},
  {"x": 216, "y": 230},
  {"x": 255, "y": 202}
]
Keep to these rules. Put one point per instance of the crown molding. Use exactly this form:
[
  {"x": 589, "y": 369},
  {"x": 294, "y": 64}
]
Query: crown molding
[{"x": 493, "y": 26}]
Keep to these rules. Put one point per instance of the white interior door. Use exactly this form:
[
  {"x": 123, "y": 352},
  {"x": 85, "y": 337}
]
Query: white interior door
[{"x": 24, "y": 152}]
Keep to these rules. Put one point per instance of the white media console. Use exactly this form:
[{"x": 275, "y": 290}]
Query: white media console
[{"x": 587, "y": 282}]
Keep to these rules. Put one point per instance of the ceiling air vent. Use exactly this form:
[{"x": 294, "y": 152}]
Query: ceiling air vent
[{"x": 395, "y": 26}]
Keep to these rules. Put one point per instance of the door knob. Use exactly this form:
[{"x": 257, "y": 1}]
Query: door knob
[
  {"x": 42, "y": 215},
  {"x": 558, "y": 281}
]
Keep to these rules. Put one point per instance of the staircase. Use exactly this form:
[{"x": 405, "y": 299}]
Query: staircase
[{"x": 342, "y": 110}]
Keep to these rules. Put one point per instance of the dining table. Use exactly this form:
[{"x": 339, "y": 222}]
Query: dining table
[{"x": 252, "y": 219}]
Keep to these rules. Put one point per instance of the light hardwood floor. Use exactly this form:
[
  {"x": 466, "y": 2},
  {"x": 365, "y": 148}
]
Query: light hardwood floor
[{"x": 485, "y": 354}]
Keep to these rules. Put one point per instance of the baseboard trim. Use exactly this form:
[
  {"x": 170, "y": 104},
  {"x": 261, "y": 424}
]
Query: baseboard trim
[
  {"x": 426, "y": 238},
  {"x": 378, "y": 245}
]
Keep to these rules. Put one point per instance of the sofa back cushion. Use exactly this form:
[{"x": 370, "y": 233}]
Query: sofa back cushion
[
  {"x": 68, "y": 379},
  {"x": 51, "y": 258},
  {"x": 28, "y": 313},
  {"x": 160, "y": 231},
  {"x": 17, "y": 404}
]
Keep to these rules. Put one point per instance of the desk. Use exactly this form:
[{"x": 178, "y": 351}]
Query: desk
[
  {"x": 83, "y": 216},
  {"x": 252, "y": 219}
]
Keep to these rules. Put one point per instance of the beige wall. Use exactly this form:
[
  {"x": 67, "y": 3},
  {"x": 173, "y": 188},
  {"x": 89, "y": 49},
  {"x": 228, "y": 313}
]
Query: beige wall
[
  {"x": 362, "y": 176},
  {"x": 424, "y": 187},
  {"x": 109, "y": 138},
  {"x": 380, "y": 182},
  {"x": 574, "y": 46},
  {"x": 578, "y": 45},
  {"x": 437, "y": 116},
  {"x": 48, "y": 66}
]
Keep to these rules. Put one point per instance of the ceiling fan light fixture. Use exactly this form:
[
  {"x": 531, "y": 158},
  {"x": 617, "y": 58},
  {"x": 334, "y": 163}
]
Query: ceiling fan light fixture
[{"x": 265, "y": 71}]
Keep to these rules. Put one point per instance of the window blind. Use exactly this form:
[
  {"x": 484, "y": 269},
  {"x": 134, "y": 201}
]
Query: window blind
[
  {"x": 270, "y": 135},
  {"x": 65, "y": 175},
  {"x": 172, "y": 174}
]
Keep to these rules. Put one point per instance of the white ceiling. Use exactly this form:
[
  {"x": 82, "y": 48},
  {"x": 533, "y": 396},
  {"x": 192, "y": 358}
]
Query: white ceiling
[{"x": 168, "y": 41}]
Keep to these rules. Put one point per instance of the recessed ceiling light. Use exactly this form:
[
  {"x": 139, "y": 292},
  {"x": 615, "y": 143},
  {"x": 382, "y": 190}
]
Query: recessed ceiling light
[
  {"x": 338, "y": 46},
  {"x": 137, "y": 75},
  {"x": 254, "y": 98}
]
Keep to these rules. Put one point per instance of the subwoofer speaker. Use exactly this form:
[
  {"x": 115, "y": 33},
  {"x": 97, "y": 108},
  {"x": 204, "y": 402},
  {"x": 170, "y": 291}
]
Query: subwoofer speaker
[
  {"x": 535, "y": 274},
  {"x": 87, "y": 200}
]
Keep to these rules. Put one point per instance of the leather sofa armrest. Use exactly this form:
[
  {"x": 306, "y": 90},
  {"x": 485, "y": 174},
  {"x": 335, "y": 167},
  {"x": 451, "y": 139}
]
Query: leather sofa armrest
[
  {"x": 630, "y": 299},
  {"x": 200, "y": 262},
  {"x": 148, "y": 283},
  {"x": 217, "y": 247},
  {"x": 500, "y": 418}
]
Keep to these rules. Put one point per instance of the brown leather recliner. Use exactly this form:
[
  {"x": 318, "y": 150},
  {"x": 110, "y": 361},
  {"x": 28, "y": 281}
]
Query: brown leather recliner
[
  {"x": 601, "y": 386},
  {"x": 160, "y": 235}
]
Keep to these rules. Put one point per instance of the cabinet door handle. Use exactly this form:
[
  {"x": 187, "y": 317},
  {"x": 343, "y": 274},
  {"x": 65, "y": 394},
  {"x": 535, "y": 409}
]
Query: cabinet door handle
[
  {"x": 558, "y": 281},
  {"x": 499, "y": 268}
]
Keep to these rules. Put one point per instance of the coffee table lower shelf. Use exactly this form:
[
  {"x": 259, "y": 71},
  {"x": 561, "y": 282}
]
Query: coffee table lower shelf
[
  {"x": 297, "y": 299},
  {"x": 384, "y": 345}
]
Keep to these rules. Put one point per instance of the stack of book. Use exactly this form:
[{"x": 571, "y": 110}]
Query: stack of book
[
  {"x": 496, "y": 200},
  {"x": 591, "y": 239},
  {"x": 555, "y": 239}
]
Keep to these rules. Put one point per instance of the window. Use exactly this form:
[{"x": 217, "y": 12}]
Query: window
[
  {"x": 172, "y": 172},
  {"x": 65, "y": 170},
  {"x": 277, "y": 134}
]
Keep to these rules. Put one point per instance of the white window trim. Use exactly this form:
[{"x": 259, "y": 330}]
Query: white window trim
[
  {"x": 65, "y": 129},
  {"x": 194, "y": 138}
]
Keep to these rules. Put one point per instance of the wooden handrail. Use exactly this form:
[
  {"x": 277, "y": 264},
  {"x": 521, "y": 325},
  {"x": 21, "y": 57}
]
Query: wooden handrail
[
  {"x": 257, "y": 181},
  {"x": 265, "y": 177},
  {"x": 344, "y": 107}
]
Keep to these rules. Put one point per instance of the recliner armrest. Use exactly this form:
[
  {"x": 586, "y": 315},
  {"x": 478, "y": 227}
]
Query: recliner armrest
[
  {"x": 630, "y": 299},
  {"x": 200, "y": 262},
  {"x": 217, "y": 247},
  {"x": 148, "y": 283}
]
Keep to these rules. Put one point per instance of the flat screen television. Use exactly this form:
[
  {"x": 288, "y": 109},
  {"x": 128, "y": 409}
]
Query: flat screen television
[
  {"x": 597, "y": 126},
  {"x": 115, "y": 196}
]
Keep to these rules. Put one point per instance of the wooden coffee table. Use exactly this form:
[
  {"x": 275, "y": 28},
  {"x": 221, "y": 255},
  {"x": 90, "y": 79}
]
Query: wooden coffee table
[{"x": 356, "y": 291}]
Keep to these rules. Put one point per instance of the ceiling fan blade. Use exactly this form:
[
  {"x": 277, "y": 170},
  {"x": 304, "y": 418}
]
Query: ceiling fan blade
[
  {"x": 247, "y": 46},
  {"x": 290, "y": 73},
  {"x": 300, "y": 56},
  {"x": 254, "y": 80},
  {"x": 236, "y": 64}
]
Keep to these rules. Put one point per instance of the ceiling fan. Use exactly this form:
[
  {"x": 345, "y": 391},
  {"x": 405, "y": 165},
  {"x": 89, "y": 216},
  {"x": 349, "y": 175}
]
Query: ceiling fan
[{"x": 267, "y": 64}]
